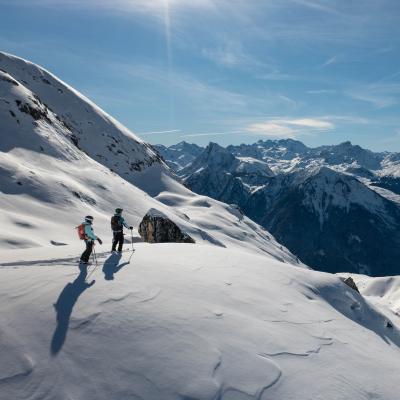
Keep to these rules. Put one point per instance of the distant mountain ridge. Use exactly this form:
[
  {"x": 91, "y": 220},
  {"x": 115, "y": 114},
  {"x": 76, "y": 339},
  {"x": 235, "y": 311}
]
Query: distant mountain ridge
[
  {"x": 336, "y": 207},
  {"x": 179, "y": 155}
]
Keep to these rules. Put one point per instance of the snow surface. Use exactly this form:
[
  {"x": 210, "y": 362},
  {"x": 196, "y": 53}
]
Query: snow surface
[
  {"x": 383, "y": 292},
  {"x": 188, "y": 322}
]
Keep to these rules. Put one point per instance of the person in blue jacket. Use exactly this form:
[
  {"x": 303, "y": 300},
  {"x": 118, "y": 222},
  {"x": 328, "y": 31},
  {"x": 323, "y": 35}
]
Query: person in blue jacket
[
  {"x": 90, "y": 238},
  {"x": 117, "y": 226}
]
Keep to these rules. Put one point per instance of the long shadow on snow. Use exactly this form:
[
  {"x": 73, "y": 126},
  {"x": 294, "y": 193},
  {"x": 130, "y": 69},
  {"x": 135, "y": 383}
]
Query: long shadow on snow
[
  {"x": 355, "y": 307},
  {"x": 64, "y": 305},
  {"x": 111, "y": 266}
]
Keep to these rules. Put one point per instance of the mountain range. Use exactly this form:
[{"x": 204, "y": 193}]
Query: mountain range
[{"x": 335, "y": 207}]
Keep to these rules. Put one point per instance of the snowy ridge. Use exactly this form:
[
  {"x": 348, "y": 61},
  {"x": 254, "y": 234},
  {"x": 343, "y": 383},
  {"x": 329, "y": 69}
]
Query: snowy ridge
[{"x": 83, "y": 122}]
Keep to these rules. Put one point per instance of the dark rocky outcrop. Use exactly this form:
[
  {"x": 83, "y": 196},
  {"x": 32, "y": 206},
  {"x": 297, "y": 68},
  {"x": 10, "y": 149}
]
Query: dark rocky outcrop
[
  {"x": 350, "y": 283},
  {"x": 156, "y": 227}
]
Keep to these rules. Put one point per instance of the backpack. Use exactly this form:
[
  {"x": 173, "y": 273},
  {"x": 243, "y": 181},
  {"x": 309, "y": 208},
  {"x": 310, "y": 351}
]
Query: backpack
[
  {"x": 81, "y": 231},
  {"x": 116, "y": 223}
]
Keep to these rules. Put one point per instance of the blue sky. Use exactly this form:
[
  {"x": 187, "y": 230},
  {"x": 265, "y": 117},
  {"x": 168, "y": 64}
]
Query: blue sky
[{"x": 228, "y": 71}]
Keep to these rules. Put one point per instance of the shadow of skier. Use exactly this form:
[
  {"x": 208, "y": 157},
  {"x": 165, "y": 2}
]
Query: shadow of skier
[
  {"x": 111, "y": 266},
  {"x": 64, "y": 305}
]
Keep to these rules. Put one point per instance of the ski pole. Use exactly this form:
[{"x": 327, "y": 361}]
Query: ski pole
[
  {"x": 132, "y": 240},
  {"x": 133, "y": 250},
  {"x": 94, "y": 257}
]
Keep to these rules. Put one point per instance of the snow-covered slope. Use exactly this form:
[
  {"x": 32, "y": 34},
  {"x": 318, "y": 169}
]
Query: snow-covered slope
[
  {"x": 49, "y": 100},
  {"x": 62, "y": 158},
  {"x": 188, "y": 322},
  {"x": 383, "y": 292}
]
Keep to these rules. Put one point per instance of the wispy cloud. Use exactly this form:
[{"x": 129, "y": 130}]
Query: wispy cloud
[
  {"x": 232, "y": 55},
  {"x": 330, "y": 61},
  {"x": 323, "y": 6},
  {"x": 203, "y": 95},
  {"x": 310, "y": 123},
  {"x": 381, "y": 95},
  {"x": 272, "y": 129},
  {"x": 276, "y": 75},
  {"x": 383, "y": 50},
  {"x": 289, "y": 127},
  {"x": 348, "y": 119},
  {"x": 389, "y": 77},
  {"x": 288, "y": 101},
  {"x": 322, "y": 91}
]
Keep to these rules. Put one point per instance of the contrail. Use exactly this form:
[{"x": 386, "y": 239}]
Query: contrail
[
  {"x": 213, "y": 133},
  {"x": 155, "y": 132}
]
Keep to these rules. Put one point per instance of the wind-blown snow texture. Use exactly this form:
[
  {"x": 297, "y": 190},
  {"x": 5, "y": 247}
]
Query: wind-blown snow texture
[
  {"x": 188, "y": 322},
  {"x": 232, "y": 317},
  {"x": 346, "y": 197}
]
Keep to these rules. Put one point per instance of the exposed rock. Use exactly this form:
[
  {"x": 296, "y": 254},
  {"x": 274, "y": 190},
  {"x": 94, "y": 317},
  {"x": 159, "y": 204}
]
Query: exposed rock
[
  {"x": 350, "y": 283},
  {"x": 156, "y": 227},
  {"x": 36, "y": 110}
]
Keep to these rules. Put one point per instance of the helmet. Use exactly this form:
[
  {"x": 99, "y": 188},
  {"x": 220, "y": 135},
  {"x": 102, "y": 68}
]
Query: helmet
[
  {"x": 89, "y": 218},
  {"x": 118, "y": 210}
]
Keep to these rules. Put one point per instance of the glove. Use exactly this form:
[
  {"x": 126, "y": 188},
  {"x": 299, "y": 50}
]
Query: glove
[
  {"x": 131, "y": 227},
  {"x": 99, "y": 240}
]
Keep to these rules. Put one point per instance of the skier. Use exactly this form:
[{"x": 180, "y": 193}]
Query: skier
[
  {"x": 117, "y": 225},
  {"x": 86, "y": 233}
]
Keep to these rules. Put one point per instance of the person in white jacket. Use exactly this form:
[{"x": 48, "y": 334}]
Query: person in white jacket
[{"x": 90, "y": 238}]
